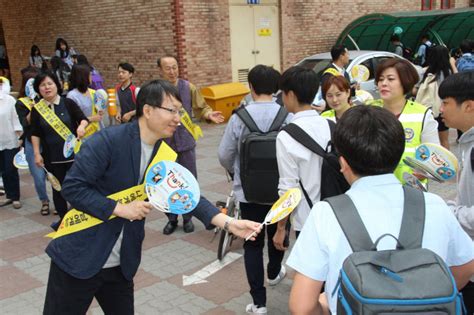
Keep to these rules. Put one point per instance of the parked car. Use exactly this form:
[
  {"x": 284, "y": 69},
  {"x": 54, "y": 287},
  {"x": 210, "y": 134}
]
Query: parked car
[{"x": 368, "y": 58}]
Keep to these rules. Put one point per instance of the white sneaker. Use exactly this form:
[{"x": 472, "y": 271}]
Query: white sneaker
[
  {"x": 278, "y": 278},
  {"x": 254, "y": 309}
]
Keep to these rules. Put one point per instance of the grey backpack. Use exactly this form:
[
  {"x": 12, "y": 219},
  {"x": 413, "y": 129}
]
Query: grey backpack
[{"x": 406, "y": 280}]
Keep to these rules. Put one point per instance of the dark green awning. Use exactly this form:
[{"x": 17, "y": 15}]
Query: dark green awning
[{"x": 373, "y": 31}]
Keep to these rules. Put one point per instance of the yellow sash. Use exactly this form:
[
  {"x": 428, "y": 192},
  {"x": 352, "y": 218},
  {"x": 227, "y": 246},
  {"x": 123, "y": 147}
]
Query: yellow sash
[
  {"x": 75, "y": 220},
  {"x": 27, "y": 102},
  {"x": 53, "y": 120},
  {"x": 92, "y": 127},
  {"x": 332, "y": 71},
  {"x": 193, "y": 129}
]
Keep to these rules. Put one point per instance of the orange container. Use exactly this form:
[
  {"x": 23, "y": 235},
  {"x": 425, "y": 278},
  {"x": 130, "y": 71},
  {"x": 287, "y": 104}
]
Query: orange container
[
  {"x": 225, "y": 97},
  {"x": 112, "y": 108}
]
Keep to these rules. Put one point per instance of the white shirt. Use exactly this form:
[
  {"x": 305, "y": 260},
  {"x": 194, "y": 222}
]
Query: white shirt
[
  {"x": 296, "y": 162},
  {"x": 9, "y": 123},
  {"x": 322, "y": 247}
]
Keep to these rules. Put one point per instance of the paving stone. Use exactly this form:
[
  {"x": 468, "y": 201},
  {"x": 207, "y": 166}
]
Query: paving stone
[{"x": 18, "y": 226}]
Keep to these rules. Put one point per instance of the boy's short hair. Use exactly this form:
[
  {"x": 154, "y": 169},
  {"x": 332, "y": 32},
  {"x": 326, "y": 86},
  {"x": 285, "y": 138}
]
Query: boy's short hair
[
  {"x": 459, "y": 86},
  {"x": 303, "y": 82},
  {"x": 153, "y": 93},
  {"x": 406, "y": 72},
  {"x": 337, "y": 51},
  {"x": 264, "y": 79},
  {"x": 371, "y": 140},
  {"x": 466, "y": 46},
  {"x": 394, "y": 38},
  {"x": 127, "y": 67}
]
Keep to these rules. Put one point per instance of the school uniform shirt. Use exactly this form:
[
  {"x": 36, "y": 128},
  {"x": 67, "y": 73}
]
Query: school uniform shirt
[
  {"x": 125, "y": 99},
  {"x": 297, "y": 163},
  {"x": 322, "y": 246},
  {"x": 10, "y": 123}
]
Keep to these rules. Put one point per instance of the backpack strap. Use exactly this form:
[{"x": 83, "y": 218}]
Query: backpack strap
[
  {"x": 413, "y": 220},
  {"x": 351, "y": 223},
  {"x": 472, "y": 159},
  {"x": 302, "y": 137},
  {"x": 279, "y": 119},
  {"x": 247, "y": 119}
]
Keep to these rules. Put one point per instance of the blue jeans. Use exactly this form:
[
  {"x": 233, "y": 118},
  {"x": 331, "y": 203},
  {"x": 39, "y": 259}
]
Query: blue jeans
[{"x": 39, "y": 176}]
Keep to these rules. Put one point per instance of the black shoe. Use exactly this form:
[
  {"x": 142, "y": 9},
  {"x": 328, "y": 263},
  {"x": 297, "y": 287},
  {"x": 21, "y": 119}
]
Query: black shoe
[
  {"x": 188, "y": 226},
  {"x": 170, "y": 227}
]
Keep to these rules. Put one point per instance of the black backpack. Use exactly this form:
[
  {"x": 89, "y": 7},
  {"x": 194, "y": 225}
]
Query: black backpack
[
  {"x": 258, "y": 164},
  {"x": 407, "y": 52},
  {"x": 333, "y": 182}
]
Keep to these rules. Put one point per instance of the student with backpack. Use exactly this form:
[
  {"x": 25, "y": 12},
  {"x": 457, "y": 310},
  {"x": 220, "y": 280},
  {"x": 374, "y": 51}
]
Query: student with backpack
[
  {"x": 298, "y": 165},
  {"x": 457, "y": 110},
  {"x": 466, "y": 61},
  {"x": 371, "y": 141},
  {"x": 249, "y": 135}
]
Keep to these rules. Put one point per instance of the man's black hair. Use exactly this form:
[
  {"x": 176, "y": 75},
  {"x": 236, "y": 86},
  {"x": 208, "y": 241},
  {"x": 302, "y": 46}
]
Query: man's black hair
[
  {"x": 337, "y": 51},
  {"x": 303, "y": 82},
  {"x": 371, "y": 140},
  {"x": 264, "y": 79},
  {"x": 127, "y": 67},
  {"x": 153, "y": 93},
  {"x": 467, "y": 46},
  {"x": 42, "y": 76},
  {"x": 394, "y": 38},
  {"x": 459, "y": 86}
]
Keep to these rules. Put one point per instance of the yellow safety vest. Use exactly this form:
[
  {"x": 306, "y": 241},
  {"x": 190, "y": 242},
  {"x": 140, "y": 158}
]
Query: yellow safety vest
[
  {"x": 330, "y": 114},
  {"x": 92, "y": 127},
  {"x": 412, "y": 118}
]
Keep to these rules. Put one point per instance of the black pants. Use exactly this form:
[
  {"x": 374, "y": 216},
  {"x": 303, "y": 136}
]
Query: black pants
[
  {"x": 59, "y": 170},
  {"x": 253, "y": 253},
  {"x": 468, "y": 297},
  {"x": 71, "y": 296},
  {"x": 188, "y": 160},
  {"x": 11, "y": 179}
]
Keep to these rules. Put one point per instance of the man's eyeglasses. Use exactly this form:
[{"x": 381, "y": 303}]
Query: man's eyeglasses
[{"x": 181, "y": 112}]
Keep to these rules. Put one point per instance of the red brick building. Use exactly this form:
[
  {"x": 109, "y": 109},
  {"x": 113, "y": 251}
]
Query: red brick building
[{"x": 198, "y": 32}]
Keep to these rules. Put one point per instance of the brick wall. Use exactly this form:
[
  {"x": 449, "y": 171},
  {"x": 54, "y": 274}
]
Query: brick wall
[
  {"x": 207, "y": 41},
  {"x": 106, "y": 31},
  {"x": 196, "y": 31}
]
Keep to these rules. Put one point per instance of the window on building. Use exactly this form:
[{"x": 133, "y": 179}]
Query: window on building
[
  {"x": 427, "y": 4},
  {"x": 445, "y": 4}
]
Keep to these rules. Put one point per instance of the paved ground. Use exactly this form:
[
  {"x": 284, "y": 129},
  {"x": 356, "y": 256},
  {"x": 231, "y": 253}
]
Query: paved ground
[{"x": 159, "y": 283}]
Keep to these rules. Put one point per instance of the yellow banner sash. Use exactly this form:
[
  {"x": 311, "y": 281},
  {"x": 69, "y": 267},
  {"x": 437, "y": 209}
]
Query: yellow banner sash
[
  {"x": 193, "y": 129},
  {"x": 75, "y": 220},
  {"x": 28, "y": 102},
  {"x": 53, "y": 120},
  {"x": 92, "y": 127}
]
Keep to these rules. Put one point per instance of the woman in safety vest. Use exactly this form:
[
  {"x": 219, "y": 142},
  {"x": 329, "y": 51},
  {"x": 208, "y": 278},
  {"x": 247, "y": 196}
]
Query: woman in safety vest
[
  {"x": 53, "y": 120},
  {"x": 395, "y": 78},
  {"x": 337, "y": 93}
]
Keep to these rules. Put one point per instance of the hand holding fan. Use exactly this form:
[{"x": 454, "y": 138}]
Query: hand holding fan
[
  {"x": 281, "y": 208},
  {"x": 100, "y": 100},
  {"x": 19, "y": 160},
  {"x": 53, "y": 180}
]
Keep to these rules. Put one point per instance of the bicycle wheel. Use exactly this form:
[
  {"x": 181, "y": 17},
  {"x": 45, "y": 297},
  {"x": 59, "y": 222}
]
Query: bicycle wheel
[{"x": 226, "y": 238}]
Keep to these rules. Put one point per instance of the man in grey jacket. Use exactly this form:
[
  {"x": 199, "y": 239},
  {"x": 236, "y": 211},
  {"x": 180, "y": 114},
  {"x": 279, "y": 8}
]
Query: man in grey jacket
[{"x": 457, "y": 111}]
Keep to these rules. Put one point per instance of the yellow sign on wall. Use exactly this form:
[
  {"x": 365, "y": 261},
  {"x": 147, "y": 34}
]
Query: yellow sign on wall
[{"x": 264, "y": 32}]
